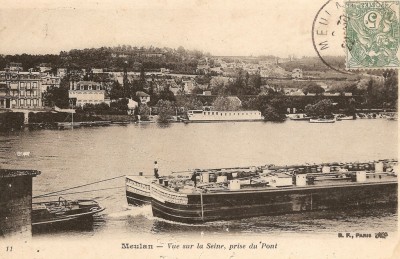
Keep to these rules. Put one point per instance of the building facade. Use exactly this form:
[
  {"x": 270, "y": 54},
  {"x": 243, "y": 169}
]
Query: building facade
[
  {"x": 50, "y": 81},
  {"x": 86, "y": 92},
  {"x": 20, "y": 89},
  {"x": 16, "y": 202}
]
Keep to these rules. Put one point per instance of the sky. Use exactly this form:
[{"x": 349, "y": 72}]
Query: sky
[{"x": 224, "y": 28}]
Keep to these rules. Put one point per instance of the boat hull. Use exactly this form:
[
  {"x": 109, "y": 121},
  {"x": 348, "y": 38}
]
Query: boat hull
[
  {"x": 136, "y": 199},
  {"x": 321, "y": 121},
  {"x": 63, "y": 211},
  {"x": 138, "y": 190},
  {"x": 243, "y": 204}
]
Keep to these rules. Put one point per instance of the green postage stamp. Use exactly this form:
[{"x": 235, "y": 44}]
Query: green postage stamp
[{"x": 372, "y": 34}]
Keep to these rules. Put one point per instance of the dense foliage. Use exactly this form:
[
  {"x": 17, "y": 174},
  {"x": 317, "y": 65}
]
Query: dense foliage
[
  {"x": 114, "y": 58},
  {"x": 11, "y": 121}
]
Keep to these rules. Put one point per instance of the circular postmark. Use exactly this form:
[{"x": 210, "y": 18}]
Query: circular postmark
[{"x": 328, "y": 35}]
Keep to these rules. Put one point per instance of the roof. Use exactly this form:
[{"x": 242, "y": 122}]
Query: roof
[
  {"x": 6, "y": 173},
  {"x": 88, "y": 83},
  {"x": 234, "y": 99},
  {"x": 141, "y": 94}
]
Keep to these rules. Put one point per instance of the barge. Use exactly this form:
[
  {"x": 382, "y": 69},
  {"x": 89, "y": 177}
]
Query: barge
[{"x": 212, "y": 195}]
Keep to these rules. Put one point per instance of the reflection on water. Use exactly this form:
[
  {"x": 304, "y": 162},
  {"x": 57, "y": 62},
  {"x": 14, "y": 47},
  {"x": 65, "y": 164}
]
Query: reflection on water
[{"x": 74, "y": 157}]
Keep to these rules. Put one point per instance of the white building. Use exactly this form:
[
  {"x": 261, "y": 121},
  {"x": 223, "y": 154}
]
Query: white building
[
  {"x": 131, "y": 106},
  {"x": 86, "y": 92}
]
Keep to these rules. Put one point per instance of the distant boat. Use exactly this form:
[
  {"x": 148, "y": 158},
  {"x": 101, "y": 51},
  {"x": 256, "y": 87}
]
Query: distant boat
[
  {"x": 300, "y": 117},
  {"x": 321, "y": 120},
  {"x": 343, "y": 117},
  {"x": 392, "y": 118},
  {"x": 68, "y": 125},
  {"x": 62, "y": 211}
]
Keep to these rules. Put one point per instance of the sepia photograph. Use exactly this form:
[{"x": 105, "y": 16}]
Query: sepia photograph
[{"x": 199, "y": 129}]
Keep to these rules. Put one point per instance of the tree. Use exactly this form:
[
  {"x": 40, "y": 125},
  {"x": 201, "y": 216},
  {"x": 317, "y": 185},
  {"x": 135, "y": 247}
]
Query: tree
[
  {"x": 226, "y": 104},
  {"x": 57, "y": 96},
  {"x": 120, "y": 105},
  {"x": 167, "y": 95},
  {"x": 189, "y": 103},
  {"x": 117, "y": 91},
  {"x": 166, "y": 110},
  {"x": 313, "y": 88},
  {"x": 144, "y": 112},
  {"x": 321, "y": 108},
  {"x": 271, "y": 114},
  {"x": 142, "y": 81}
]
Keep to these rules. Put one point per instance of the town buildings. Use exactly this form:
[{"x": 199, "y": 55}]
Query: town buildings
[{"x": 24, "y": 89}]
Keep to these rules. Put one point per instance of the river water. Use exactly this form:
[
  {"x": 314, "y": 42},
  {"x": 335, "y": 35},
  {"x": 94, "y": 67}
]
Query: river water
[{"x": 74, "y": 157}]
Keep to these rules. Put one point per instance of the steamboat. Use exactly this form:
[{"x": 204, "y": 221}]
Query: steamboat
[
  {"x": 199, "y": 196},
  {"x": 221, "y": 116}
]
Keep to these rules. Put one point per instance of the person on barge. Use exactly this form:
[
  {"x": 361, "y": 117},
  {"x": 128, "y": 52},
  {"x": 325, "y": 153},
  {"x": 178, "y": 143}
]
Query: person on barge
[{"x": 156, "y": 175}]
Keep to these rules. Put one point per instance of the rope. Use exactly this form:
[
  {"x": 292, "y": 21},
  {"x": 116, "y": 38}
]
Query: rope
[
  {"x": 68, "y": 193},
  {"x": 46, "y": 194}
]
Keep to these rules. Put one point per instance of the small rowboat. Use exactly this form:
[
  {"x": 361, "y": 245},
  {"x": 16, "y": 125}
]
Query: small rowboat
[{"x": 62, "y": 210}]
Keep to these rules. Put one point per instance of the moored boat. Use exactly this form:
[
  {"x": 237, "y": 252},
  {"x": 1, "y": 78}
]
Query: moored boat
[
  {"x": 344, "y": 117},
  {"x": 268, "y": 190},
  {"x": 299, "y": 117},
  {"x": 62, "y": 211},
  {"x": 322, "y": 120},
  {"x": 223, "y": 116}
]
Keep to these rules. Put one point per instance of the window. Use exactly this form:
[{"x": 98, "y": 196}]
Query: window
[
  {"x": 34, "y": 84},
  {"x": 21, "y": 102},
  {"x": 34, "y": 102},
  {"x": 22, "y": 84},
  {"x": 212, "y": 113},
  {"x": 22, "y": 93},
  {"x": 28, "y": 102}
]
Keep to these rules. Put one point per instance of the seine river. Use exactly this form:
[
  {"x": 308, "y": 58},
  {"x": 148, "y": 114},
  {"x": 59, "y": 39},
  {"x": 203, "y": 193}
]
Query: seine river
[{"x": 74, "y": 157}]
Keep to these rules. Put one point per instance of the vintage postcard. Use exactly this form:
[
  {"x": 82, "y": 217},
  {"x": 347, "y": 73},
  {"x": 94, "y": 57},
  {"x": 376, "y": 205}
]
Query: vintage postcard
[{"x": 199, "y": 129}]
